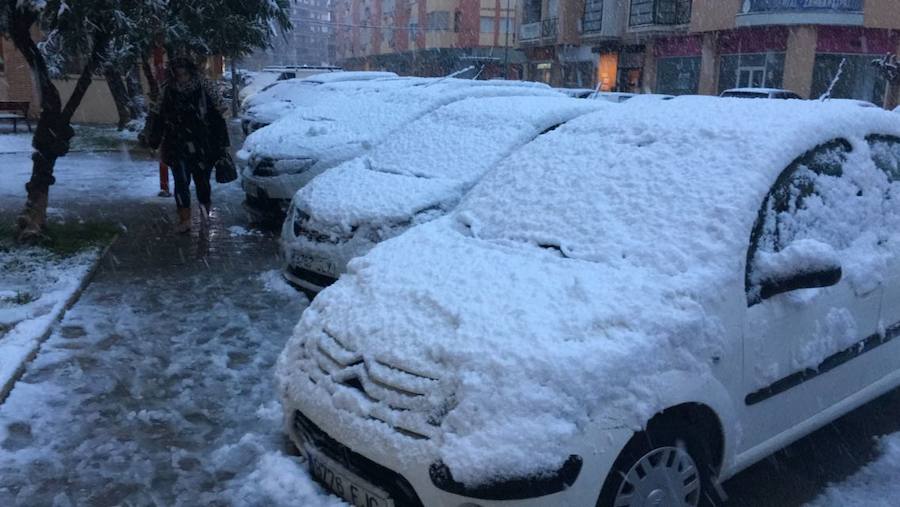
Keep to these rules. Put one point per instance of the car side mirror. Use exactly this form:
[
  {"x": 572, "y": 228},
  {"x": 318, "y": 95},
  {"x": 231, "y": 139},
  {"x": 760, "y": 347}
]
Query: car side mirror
[{"x": 804, "y": 264}]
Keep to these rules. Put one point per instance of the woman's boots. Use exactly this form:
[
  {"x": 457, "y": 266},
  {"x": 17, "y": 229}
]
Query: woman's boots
[{"x": 184, "y": 221}]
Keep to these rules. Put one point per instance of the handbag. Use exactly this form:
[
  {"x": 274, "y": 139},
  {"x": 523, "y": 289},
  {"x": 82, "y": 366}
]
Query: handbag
[{"x": 226, "y": 172}]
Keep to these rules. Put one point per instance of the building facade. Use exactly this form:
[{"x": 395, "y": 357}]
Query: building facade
[
  {"x": 706, "y": 46},
  {"x": 310, "y": 42},
  {"x": 427, "y": 37}
]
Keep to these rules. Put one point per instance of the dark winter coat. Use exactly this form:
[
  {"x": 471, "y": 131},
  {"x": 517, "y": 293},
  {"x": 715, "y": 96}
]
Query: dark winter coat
[{"x": 189, "y": 125}]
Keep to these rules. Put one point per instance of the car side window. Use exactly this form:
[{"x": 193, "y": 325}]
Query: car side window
[
  {"x": 807, "y": 203},
  {"x": 886, "y": 155},
  {"x": 885, "y": 152}
]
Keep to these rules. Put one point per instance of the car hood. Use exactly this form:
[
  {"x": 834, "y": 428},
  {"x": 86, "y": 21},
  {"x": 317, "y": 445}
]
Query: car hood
[
  {"x": 531, "y": 345},
  {"x": 353, "y": 194}
]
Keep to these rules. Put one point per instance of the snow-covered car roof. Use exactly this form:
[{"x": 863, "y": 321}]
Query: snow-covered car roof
[
  {"x": 334, "y": 77},
  {"x": 338, "y": 125},
  {"x": 283, "y": 97},
  {"x": 431, "y": 161},
  {"x": 256, "y": 81},
  {"x": 572, "y": 277}
]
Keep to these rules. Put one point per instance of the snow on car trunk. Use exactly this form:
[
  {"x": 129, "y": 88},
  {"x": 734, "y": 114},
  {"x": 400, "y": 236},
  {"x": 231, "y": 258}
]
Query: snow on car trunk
[{"x": 568, "y": 283}]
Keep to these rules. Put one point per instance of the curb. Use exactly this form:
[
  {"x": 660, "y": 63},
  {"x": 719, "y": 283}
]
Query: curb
[{"x": 7, "y": 387}]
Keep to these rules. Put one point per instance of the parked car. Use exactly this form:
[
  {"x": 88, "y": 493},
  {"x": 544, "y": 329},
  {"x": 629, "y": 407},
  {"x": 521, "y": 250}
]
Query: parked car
[
  {"x": 619, "y": 97},
  {"x": 280, "y": 159},
  {"x": 576, "y": 93},
  {"x": 283, "y": 97},
  {"x": 624, "y": 312},
  {"x": 760, "y": 93},
  {"x": 416, "y": 175}
]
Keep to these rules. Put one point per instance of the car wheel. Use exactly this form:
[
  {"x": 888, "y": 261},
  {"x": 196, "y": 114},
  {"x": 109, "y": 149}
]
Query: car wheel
[{"x": 661, "y": 468}]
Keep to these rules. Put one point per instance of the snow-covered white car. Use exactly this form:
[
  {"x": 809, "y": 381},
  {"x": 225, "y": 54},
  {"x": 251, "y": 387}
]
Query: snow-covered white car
[
  {"x": 760, "y": 93},
  {"x": 627, "y": 310},
  {"x": 416, "y": 175},
  {"x": 283, "y": 97},
  {"x": 280, "y": 159}
]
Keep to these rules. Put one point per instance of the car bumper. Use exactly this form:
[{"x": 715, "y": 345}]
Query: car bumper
[
  {"x": 410, "y": 484},
  {"x": 312, "y": 265}
]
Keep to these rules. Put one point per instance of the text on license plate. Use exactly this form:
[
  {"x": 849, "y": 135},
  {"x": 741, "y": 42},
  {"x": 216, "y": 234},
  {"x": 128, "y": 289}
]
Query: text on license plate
[{"x": 344, "y": 484}]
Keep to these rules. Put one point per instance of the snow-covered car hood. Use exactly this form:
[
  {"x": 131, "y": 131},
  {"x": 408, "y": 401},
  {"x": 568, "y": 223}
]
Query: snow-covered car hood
[
  {"x": 430, "y": 163},
  {"x": 364, "y": 118}
]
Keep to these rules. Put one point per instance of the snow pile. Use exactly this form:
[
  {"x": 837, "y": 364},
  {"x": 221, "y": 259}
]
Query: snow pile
[
  {"x": 35, "y": 287},
  {"x": 570, "y": 280},
  {"x": 274, "y": 282},
  {"x": 873, "y": 486}
]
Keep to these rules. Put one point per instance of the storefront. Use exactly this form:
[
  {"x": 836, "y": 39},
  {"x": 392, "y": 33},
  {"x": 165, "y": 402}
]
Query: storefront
[
  {"x": 850, "y": 52},
  {"x": 752, "y": 58},
  {"x": 678, "y": 64}
]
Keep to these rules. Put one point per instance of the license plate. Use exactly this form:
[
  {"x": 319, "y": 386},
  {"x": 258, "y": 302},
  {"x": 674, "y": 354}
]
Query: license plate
[
  {"x": 344, "y": 484},
  {"x": 317, "y": 264}
]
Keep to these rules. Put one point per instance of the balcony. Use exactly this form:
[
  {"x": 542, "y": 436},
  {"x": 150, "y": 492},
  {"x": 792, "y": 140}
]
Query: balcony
[
  {"x": 659, "y": 13},
  {"x": 530, "y": 32},
  {"x": 801, "y": 12}
]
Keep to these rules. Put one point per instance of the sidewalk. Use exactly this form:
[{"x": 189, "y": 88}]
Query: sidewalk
[
  {"x": 157, "y": 387},
  {"x": 36, "y": 287}
]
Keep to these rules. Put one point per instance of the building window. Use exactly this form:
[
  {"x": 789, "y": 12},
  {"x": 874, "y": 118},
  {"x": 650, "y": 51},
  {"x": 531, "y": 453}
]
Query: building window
[
  {"x": 439, "y": 20},
  {"x": 457, "y": 21},
  {"x": 487, "y": 24},
  {"x": 531, "y": 13},
  {"x": 859, "y": 79},
  {"x": 678, "y": 76},
  {"x": 593, "y": 16},
  {"x": 660, "y": 12},
  {"x": 751, "y": 71}
]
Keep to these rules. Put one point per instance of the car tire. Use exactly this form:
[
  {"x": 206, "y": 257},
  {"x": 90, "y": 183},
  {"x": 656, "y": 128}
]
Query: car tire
[{"x": 679, "y": 447}]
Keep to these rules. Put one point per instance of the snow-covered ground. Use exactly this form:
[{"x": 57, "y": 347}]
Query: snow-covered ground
[
  {"x": 35, "y": 287},
  {"x": 876, "y": 485},
  {"x": 157, "y": 386}
]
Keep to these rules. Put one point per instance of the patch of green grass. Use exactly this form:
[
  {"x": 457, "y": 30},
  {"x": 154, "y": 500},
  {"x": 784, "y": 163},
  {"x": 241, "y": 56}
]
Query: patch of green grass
[{"x": 66, "y": 238}]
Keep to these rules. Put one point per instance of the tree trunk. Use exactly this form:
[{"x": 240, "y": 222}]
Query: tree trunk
[
  {"x": 137, "y": 107},
  {"x": 54, "y": 131},
  {"x": 235, "y": 90},
  {"x": 152, "y": 83},
  {"x": 119, "y": 94}
]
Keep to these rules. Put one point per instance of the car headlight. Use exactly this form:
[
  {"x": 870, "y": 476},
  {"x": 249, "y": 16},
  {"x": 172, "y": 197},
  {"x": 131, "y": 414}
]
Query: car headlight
[
  {"x": 268, "y": 167},
  {"x": 518, "y": 488}
]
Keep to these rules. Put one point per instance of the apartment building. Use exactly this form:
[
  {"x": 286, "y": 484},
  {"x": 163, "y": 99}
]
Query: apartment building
[
  {"x": 707, "y": 46},
  {"x": 427, "y": 37},
  {"x": 310, "y": 42}
]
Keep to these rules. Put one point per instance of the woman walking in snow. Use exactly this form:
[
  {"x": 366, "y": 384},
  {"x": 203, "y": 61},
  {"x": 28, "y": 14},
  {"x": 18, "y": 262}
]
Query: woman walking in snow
[{"x": 190, "y": 126}]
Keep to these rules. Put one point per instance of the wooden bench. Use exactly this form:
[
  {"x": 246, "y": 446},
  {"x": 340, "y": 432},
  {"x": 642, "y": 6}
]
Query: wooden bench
[{"x": 15, "y": 111}]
